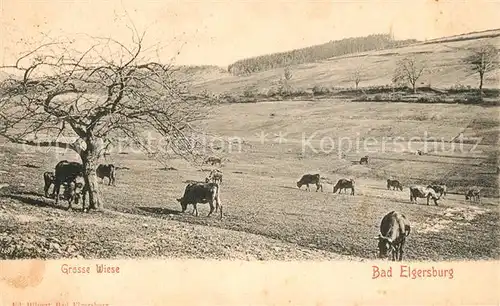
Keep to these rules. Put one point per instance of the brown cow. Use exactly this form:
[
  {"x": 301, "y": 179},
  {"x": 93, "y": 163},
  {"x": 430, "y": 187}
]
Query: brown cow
[
  {"x": 344, "y": 184},
  {"x": 423, "y": 192},
  {"x": 307, "y": 179},
  {"x": 394, "y": 228},
  {"x": 199, "y": 192},
  {"x": 395, "y": 184}
]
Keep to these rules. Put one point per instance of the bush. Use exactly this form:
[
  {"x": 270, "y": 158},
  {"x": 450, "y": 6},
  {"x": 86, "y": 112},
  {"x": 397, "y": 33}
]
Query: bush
[
  {"x": 424, "y": 100},
  {"x": 249, "y": 92},
  {"x": 320, "y": 90}
]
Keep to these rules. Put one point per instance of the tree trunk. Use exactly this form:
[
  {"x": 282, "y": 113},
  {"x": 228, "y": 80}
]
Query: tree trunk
[
  {"x": 414, "y": 88},
  {"x": 89, "y": 161},
  {"x": 481, "y": 76}
]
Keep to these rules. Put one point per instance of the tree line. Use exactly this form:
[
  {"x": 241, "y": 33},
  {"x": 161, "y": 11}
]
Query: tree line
[{"x": 316, "y": 53}]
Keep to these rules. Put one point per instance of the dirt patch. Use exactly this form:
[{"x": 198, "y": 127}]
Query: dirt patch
[{"x": 451, "y": 216}]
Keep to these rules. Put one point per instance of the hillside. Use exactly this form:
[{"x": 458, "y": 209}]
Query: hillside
[
  {"x": 317, "y": 52},
  {"x": 442, "y": 58},
  {"x": 200, "y": 73}
]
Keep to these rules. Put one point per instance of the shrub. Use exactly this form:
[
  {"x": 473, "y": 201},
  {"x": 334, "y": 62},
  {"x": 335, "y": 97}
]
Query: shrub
[{"x": 320, "y": 90}]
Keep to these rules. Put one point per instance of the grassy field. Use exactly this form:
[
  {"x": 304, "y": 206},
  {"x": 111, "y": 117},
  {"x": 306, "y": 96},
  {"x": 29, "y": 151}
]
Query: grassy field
[
  {"x": 265, "y": 215},
  {"x": 442, "y": 59}
]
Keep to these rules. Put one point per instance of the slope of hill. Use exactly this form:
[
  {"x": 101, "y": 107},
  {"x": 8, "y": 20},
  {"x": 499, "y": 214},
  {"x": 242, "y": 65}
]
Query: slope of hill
[
  {"x": 317, "y": 52},
  {"x": 200, "y": 73},
  {"x": 443, "y": 60}
]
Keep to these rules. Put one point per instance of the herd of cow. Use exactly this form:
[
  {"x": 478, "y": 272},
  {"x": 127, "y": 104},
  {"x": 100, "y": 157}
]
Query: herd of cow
[
  {"x": 70, "y": 175},
  {"x": 394, "y": 227}
]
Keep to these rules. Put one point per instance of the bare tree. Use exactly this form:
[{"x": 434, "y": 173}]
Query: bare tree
[
  {"x": 287, "y": 74},
  {"x": 356, "y": 77},
  {"x": 408, "y": 71},
  {"x": 98, "y": 94},
  {"x": 284, "y": 84},
  {"x": 482, "y": 60}
]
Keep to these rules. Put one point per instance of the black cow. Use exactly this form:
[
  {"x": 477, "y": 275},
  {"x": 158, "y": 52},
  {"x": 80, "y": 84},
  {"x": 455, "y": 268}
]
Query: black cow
[
  {"x": 363, "y": 160},
  {"x": 307, "y": 179},
  {"x": 199, "y": 192},
  {"x": 344, "y": 184},
  {"x": 65, "y": 173},
  {"x": 394, "y": 184},
  {"x": 394, "y": 228},
  {"x": 106, "y": 170},
  {"x": 48, "y": 179}
]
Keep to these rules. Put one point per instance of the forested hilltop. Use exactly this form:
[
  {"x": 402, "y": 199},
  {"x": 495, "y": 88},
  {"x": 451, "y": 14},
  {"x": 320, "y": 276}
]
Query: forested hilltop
[{"x": 317, "y": 52}]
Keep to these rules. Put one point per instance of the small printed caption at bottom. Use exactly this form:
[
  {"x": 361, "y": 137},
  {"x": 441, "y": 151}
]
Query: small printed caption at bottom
[{"x": 407, "y": 271}]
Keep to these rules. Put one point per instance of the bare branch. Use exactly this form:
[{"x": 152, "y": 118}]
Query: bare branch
[{"x": 409, "y": 71}]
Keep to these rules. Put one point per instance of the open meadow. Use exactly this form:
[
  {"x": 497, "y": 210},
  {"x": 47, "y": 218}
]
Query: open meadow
[{"x": 265, "y": 215}]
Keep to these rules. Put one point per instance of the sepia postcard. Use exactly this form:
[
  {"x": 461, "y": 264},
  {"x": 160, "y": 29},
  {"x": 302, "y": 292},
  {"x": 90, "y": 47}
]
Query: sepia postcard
[{"x": 244, "y": 152}]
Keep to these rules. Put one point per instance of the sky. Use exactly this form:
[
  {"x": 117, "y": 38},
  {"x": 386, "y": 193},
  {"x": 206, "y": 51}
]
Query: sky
[{"x": 221, "y": 32}]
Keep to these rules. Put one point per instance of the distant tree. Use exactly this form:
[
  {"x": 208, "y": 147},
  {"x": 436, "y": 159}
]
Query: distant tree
[
  {"x": 110, "y": 90},
  {"x": 408, "y": 71},
  {"x": 287, "y": 74},
  {"x": 482, "y": 60},
  {"x": 356, "y": 77},
  {"x": 285, "y": 87}
]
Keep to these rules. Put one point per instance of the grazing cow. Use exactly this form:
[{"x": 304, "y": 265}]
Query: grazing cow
[
  {"x": 473, "y": 194},
  {"x": 344, "y": 184},
  {"x": 423, "y": 192},
  {"x": 213, "y": 161},
  {"x": 106, "y": 170},
  {"x": 65, "y": 173},
  {"x": 307, "y": 179},
  {"x": 419, "y": 152},
  {"x": 49, "y": 179},
  {"x": 363, "y": 160},
  {"x": 199, "y": 192},
  {"x": 214, "y": 176},
  {"x": 395, "y": 184},
  {"x": 394, "y": 229},
  {"x": 441, "y": 189}
]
